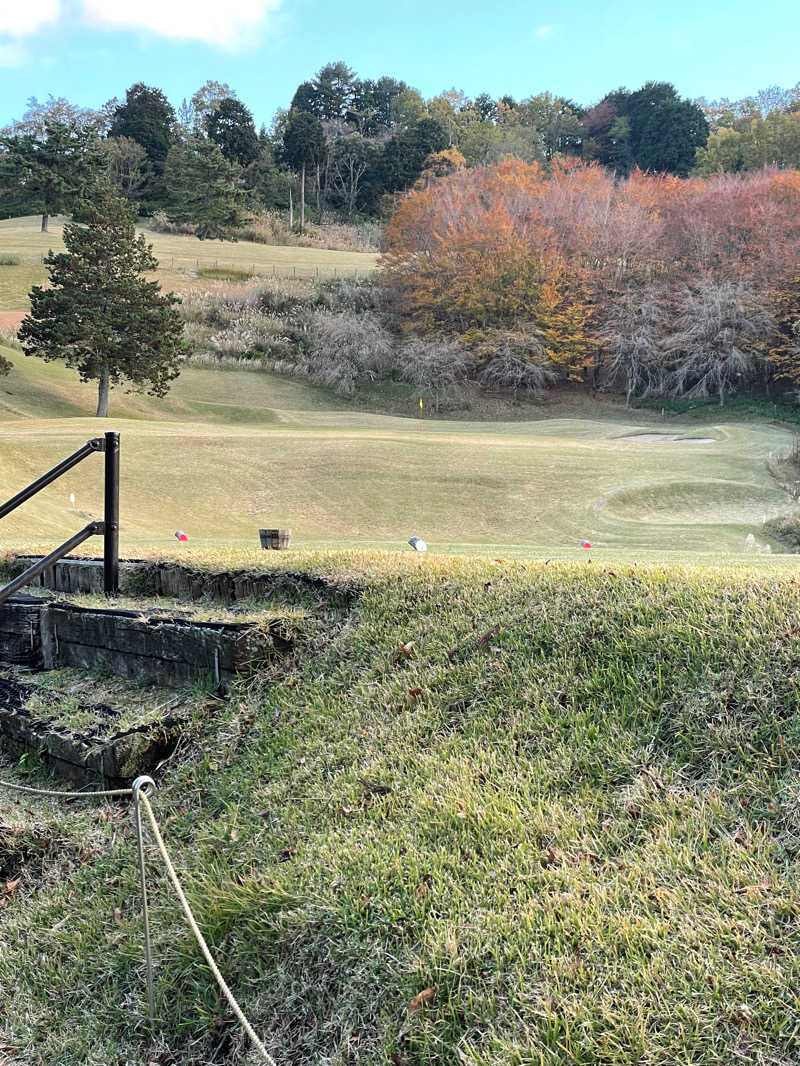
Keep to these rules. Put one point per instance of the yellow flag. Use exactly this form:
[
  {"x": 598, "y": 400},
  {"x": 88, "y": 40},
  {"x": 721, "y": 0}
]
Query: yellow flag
[{"x": 420, "y": 403}]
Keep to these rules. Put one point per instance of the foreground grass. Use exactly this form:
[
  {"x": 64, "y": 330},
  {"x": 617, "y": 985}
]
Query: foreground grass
[
  {"x": 179, "y": 258},
  {"x": 569, "y": 806}
]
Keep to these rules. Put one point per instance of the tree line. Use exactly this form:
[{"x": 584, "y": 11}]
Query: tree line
[
  {"x": 647, "y": 285},
  {"x": 348, "y": 147}
]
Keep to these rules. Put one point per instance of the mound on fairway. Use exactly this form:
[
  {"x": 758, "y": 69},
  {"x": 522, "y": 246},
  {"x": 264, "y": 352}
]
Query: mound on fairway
[
  {"x": 567, "y": 812},
  {"x": 230, "y": 451}
]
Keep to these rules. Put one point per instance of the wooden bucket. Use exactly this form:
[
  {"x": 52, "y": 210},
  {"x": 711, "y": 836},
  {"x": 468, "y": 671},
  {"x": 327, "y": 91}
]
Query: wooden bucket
[{"x": 276, "y": 539}]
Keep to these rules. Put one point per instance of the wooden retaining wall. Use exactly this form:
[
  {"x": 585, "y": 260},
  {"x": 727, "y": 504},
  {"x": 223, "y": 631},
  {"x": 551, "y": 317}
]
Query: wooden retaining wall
[
  {"x": 78, "y": 758},
  {"x": 20, "y": 632},
  {"x": 143, "y": 577},
  {"x": 175, "y": 652},
  {"x": 165, "y": 651}
]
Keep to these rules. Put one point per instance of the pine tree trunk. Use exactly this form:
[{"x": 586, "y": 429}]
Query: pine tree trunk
[
  {"x": 319, "y": 209},
  {"x": 291, "y": 210},
  {"x": 45, "y": 217},
  {"x": 303, "y": 199},
  {"x": 102, "y": 392}
]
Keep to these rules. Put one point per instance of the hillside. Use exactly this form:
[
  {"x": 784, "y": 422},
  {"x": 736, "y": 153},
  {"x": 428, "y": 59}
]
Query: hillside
[
  {"x": 178, "y": 257},
  {"x": 229, "y": 451},
  {"x": 580, "y": 835}
]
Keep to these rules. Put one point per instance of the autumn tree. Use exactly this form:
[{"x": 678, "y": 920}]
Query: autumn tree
[
  {"x": 128, "y": 166},
  {"x": 100, "y": 315}
]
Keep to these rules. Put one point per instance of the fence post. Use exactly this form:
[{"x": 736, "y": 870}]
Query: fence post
[{"x": 111, "y": 516}]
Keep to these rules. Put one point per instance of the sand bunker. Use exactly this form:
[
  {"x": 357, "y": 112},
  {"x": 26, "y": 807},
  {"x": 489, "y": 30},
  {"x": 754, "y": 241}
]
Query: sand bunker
[{"x": 660, "y": 438}]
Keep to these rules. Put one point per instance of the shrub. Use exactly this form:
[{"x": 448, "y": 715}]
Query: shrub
[
  {"x": 272, "y": 228},
  {"x": 351, "y": 294},
  {"x": 347, "y": 350},
  {"x": 9, "y": 338},
  {"x": 438, "y": 369},
  {"x": 160, "y": 222},
  {"x": 8, "y": 260},
  {"x": 786, "y": 529},
  {"x": 511, "y": 370}
]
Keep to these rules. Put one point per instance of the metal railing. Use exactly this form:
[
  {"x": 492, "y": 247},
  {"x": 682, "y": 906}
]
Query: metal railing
[{"x": 108, "y": 528}]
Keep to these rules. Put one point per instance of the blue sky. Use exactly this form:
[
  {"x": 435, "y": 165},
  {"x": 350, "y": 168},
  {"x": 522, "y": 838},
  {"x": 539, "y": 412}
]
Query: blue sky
[{"x": 91, "y": 50}]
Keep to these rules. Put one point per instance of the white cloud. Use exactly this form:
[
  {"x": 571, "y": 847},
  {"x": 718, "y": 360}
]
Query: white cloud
[
  {"x": 20, "y": 19},
  {"x": 230, "y": 23},
  {"x": 545, "y": 31}
]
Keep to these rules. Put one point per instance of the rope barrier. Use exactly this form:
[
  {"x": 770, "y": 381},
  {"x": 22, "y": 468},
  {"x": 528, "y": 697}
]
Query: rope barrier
[
  {"x": 139, "y": 793},
  {"x": 190, "y": 918},
  {"x": 66, "y": 795}
]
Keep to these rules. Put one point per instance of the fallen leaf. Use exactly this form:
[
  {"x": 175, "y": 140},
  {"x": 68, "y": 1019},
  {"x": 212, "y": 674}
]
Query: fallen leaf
[
  {"x": 423, "y": 999},
  {"x": 234, "y": 834},
  {"x": 415, "y": 691},
  {"x": 12, "y": 886},
  {"x": 118, "y": 915},
  {"x": 741, "y": 1013},
  {"x": 588, "y": 856},
  {"x": 762, "y": 886},
  {"x": 484, "y": 641},
  {"x": 375, "y": 787},
  {"x": 404, "y": 651}
]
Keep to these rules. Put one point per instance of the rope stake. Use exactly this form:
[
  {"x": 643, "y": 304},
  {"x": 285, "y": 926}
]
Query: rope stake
[
  {"x": 139, "y": 794},
  {"x": 143, "y": 786}
]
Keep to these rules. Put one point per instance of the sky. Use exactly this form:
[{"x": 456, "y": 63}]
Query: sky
[{"x": 92, "y": 50}]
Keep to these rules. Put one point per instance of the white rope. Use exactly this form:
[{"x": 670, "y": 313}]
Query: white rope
[
  {"x": 187, "y": 910},
  {"x": 139, "y": 795},
  {"x": 65, "y": 795}
]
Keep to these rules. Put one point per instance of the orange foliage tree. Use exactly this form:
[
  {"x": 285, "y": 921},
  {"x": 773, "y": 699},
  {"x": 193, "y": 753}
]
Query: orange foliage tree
[{"x": 510, "y": 258}]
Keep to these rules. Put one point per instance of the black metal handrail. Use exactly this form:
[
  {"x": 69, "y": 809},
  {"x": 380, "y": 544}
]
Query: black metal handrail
[{"x": 108, "y": 528}]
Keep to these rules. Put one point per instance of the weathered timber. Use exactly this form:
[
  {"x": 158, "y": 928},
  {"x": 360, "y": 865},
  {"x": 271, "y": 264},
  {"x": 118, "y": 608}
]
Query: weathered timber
[
  {"x": 80, "y": 758},
  {"x": 20, "y": 631},
  {"x": 70, "y": 575},
  {"x": 167, "y": 651},
  {"x": 143, "y": 577}
]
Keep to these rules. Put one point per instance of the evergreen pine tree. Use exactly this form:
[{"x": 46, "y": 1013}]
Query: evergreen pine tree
[{"x": 100, "y": 316}]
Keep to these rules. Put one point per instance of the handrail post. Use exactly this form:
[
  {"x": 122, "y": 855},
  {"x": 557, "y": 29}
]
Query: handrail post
[{"x": 111, "y": 516}]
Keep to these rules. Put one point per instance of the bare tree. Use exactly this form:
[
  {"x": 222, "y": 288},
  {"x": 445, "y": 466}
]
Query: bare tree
[
  {"x": 633, "y": 335},
  {"x": 722, "y": 330},
  {"x": 349, "y": 159},
  {"x": 510, "y": 369},
  {"x": 128, "y": 165},
  {"x": 438, "y": 368}
]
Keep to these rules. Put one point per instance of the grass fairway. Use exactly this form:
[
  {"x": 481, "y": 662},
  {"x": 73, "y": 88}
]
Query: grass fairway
[
  {"x": 178, "y": 257},
  {"x": 228, "y": 452},
  {"x": 580, "y": 834}
]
